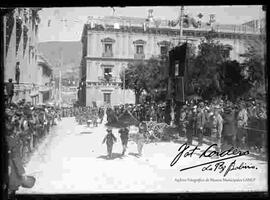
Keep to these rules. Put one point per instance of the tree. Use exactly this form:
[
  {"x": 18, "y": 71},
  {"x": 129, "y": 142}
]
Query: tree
[
  {"x": 157, "y": 76},
  {"x": 207, "y": 66},
  {"x": 234, "y": 83},
  {"x": 254, "y": 67},
  {"x": 150, "y": 76},
  {"x": 135, "y": 78}
]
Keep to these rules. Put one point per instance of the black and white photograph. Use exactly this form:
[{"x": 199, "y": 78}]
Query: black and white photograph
[{"x": 147, "y": 99}]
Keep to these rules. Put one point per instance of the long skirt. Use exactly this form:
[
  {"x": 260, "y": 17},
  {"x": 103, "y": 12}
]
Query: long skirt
[
  {"x": 109, "y": 149},
  {"x": 140, "y": 144}
]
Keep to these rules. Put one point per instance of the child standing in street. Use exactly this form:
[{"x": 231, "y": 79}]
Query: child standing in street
[
  {"x": 124, "y": 138},
  {"x": 109, "y": 139},
  {"x": 140, "y": 139}
]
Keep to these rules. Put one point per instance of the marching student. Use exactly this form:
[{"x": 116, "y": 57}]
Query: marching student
[
  {"x": 109, "y": 139},
  {"x": 124, "y": 138},
  {"x": 140, "y": 139}
]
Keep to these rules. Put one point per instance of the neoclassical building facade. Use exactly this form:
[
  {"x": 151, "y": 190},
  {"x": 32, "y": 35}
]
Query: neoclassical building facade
[
  {"x": 110, "y": 43},
  {"x": 21, "y": 26}
]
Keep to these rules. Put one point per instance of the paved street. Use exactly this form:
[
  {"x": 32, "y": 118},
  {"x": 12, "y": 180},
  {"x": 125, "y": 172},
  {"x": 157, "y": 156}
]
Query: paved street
[{"x": 72, "y": 159}]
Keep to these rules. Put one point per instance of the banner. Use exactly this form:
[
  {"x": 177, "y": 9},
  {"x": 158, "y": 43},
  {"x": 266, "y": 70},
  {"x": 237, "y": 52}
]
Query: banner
[{"x": 179, "y": 89}]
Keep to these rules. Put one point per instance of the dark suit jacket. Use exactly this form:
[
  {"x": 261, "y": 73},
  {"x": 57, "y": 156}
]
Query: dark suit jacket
[
  {"x": 10, "y": 88},
  {"x": 17, "y": 169}
]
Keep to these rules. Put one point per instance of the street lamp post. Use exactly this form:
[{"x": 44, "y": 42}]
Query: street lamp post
[
  {"x": 124, "y": 85},
  {"x": 175, "y": 105},
  {"x": 181, "y": 23}
]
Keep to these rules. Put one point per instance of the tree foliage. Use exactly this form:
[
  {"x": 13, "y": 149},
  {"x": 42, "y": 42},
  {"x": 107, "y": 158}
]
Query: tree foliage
[
  {"x": 209, "y": 72},
  {"x": 206, "y": 71},
  {"x": 254, "y": 61},
  {"x": 234, "y": 83},
  {"x": 135, "y": 78}
]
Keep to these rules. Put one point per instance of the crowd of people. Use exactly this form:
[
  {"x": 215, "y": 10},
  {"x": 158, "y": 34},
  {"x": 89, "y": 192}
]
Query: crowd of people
[
  {"x": 29, "y": 124},
  {"x": 149, "y": 111},
  {"x": 241, "y": 123},
  {"x": 26, "y": 126},
  {"x": 89, "y": 115}
]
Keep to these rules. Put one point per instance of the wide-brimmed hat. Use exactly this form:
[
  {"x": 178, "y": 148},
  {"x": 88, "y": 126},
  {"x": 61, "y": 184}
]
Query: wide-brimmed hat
[
  {"x": 227, "y": 109},
  {"x": 28, "y": 182},
  {"x": 109, "y": 129}
]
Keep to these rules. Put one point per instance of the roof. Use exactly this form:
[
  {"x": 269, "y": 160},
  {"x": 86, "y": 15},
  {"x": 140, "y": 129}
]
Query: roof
[
  {"x": 44, "y": 63},
  {"x": 138, "y": 22}
]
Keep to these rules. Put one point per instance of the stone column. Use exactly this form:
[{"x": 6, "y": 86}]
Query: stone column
[
  {"x": 129, "y": 45},
  {"x": 89, "y": 44}
]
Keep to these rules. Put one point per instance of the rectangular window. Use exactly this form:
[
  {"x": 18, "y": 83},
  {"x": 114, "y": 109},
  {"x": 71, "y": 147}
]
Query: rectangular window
[
  {"x": 107, "y": 98},
  {"x": 108, "y": 48},
  {"x": 139, "y": 49},
  {"x": 108, "y": 73},
  {"x": 163, "y": 50}
]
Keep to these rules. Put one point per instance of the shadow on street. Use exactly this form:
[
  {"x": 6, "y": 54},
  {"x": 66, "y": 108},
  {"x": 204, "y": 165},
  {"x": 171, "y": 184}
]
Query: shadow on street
[
  {"x": 134, "y": 154},
  {"x": 114, "y": 156}
]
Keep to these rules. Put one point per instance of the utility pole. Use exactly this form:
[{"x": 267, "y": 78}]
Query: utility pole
[
  {"x": 4, "y": 46},
  {"x": 124, "y": 85},
  {"x": 175, "y": 105},
  {"x": 181, "y": 23},
  {"x": 60, "y": 78}
]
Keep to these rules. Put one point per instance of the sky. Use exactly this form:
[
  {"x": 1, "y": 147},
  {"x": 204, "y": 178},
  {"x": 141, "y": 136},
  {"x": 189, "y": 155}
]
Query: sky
[{"x": 53, "y": 28}]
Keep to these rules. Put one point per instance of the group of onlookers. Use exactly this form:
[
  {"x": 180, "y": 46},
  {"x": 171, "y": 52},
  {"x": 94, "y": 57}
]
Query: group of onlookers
[
  {"x": 26, "y": 126},
  {"x": 89, "y": 115},
  {"x": 241, "y": 123}
]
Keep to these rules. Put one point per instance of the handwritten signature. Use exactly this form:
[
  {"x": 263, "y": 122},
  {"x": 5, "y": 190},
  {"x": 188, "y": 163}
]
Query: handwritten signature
[
  {"x": 219, "y": 164},
  {"x": 221, "y": 167}
]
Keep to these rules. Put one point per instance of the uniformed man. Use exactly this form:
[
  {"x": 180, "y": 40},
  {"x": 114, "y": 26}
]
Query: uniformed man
[
  {"x": 229, "y": 128},
  {"x": 183, "y": 123},
  {"x": 200, "y": 122},
  {"x": 191, "y": 118},
  {"x": 242, "y": 119},
  {"x": 217, "y": 127}
]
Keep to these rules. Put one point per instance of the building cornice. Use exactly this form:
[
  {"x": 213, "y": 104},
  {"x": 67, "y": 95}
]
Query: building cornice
[
  {"x": 114, "y": 59},
  {"x": 172, "y": 32}
]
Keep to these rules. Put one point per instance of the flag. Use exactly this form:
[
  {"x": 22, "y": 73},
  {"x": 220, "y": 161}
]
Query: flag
[
  {"x": 169, "y": 89},
  {"x": 179, "y": 89}
]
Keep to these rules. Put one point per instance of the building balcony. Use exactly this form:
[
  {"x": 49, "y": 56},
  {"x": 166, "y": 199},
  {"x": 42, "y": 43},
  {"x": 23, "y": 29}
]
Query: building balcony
[
  {"x": 139, "y": 56},
  {"x": 108, "y": 54},
  {"x": 107, "y": 80}
]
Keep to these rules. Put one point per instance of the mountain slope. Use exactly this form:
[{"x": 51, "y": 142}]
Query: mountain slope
[{"x": 72, "y": 53}]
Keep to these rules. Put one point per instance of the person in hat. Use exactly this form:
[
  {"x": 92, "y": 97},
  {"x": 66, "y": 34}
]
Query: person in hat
[
  {"x": 200, "y": 122},
  {"x": 124, "y": 138},
  {"x": 109, "y": 139},
  {"x": 183, "y": 123},
  {"x": 242, "y": 119},
  {"x": 16, "y": 171},
  {"x": 217, "y": 127},
  {"x": 17, "y": 72},
  {"x": 191, "y": 118},
  {"x": 10, "y": 90},
  {"x": 229, "y": 128}
]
